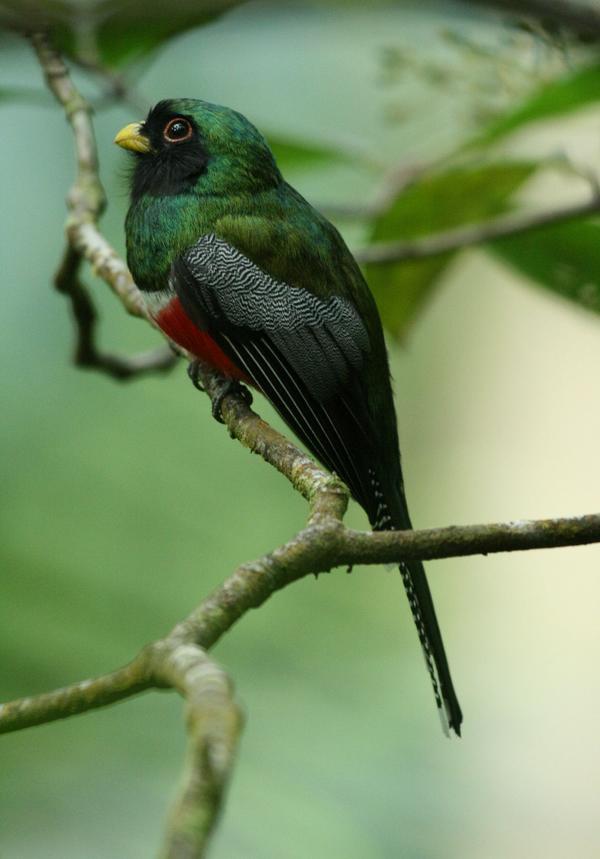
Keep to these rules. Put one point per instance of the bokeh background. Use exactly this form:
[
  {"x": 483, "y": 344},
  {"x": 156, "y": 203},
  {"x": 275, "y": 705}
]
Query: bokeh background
[{"x": 124, "y": 504}]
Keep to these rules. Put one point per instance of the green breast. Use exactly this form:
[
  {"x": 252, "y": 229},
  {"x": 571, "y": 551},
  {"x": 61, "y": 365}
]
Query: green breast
[{"x": 158, "y": 229}]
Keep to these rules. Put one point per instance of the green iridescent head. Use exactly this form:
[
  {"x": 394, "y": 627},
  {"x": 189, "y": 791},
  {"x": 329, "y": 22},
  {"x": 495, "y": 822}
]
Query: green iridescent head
[{"x": 190, "y": 146}]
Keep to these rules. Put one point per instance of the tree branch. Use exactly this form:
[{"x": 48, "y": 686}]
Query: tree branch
[
  {"x": 86, "y": 202},
  {"x": 581, "y": 19},
  {"x": 324, "y": 544},
  {"x": 214, "y": 722},
  {"x": 473, "y": 234},
  {"x": 68, "y": 282}
]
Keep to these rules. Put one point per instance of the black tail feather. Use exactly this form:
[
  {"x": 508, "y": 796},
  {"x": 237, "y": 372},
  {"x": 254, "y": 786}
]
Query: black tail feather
[
  {"x": 423, "y": 612},
  {"x": 394, "y": 516}
]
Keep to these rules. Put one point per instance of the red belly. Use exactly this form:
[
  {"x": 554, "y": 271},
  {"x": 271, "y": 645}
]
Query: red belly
[{"x": 177, "y": 325}]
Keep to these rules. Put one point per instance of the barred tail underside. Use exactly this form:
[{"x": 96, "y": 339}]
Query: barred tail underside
[{"x": 423, "y": 612}]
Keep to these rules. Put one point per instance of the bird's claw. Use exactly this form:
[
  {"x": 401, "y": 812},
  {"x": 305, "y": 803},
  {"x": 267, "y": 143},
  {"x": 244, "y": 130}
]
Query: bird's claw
[
  {"x": 193, "y": 372},
  {"x": 228, "y": 386}
]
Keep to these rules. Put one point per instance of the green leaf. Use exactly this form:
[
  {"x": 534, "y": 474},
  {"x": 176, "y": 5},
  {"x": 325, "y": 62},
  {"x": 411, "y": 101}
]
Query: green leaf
[
  {"x": 564, "y": 258},
  {"x": 292, "y": 154},
  {"x": 134, "y": 29},
  {"x": 110, "y": 32},
  {"x": 559, "y": 97},
  {"x": 437, "y": 202}
]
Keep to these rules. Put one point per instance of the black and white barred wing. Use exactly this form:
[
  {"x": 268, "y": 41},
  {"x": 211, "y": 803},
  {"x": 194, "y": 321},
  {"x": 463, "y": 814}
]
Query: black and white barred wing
[{"x": 305, "y": 353}]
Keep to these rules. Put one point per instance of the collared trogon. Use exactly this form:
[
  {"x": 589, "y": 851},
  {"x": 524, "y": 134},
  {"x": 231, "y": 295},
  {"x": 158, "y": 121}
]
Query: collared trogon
[{"x": 238, "y": 268}]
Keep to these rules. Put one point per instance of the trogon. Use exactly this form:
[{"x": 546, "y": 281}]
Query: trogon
[{"x": 240, "y": 270}]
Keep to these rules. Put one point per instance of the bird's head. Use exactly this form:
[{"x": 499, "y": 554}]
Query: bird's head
[{"x": 190, "y": 146}]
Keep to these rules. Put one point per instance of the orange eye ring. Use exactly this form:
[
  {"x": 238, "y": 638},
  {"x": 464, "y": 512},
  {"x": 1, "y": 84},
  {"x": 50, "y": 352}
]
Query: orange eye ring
[{"x": 177, "y": 130}]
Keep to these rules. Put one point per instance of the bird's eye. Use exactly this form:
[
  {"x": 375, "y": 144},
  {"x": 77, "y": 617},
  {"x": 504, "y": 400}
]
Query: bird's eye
[{"x": 177, "y": 130}]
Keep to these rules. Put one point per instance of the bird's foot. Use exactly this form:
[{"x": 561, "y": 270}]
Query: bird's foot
[
  {"x": 226, "y": 387},
  {"x": 193, "y": 373}
]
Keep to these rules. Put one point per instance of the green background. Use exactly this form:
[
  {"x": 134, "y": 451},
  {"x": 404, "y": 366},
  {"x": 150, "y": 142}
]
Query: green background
[{"x": 124, "y": 504}]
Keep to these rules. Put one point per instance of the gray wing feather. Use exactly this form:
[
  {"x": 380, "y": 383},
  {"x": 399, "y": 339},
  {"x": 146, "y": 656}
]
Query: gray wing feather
[{"x": 303, "y": 326}]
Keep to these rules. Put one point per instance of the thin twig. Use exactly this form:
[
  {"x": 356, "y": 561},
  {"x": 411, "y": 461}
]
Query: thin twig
[
  {"x": 86, "y": 202},
  {"x": 581, "y": 19},
  {"x": 86, "y": 199},
  {"x": 87, "y": 354},
  {"x": 117, "y": 87},
  {"x": 473, "y": 234}
]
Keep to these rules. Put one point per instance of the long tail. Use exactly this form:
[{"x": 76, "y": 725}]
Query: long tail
[
  {"x": 393, "y": 515},
  {"x": 423, "y": 612}
]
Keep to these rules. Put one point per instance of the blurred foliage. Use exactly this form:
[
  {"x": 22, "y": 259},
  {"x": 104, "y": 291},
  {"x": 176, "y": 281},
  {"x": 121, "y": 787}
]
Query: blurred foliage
[
  {"x": 564, "y": 258},
  {"x": 485, "y": 77},
  {"x": 506, "y": 97},
  {"x": 110, "y": 32},
  {"x": 300, "y": 155},
  {"x": 562, "y": 96},
  {"x": 461, "y": 195}
]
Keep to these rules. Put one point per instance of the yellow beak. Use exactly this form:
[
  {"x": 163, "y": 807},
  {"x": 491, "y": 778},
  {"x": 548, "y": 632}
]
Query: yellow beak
[{"x": 131, "y": 137}]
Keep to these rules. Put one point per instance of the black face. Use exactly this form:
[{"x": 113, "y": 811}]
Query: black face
[{"x": 177, "y": 157}]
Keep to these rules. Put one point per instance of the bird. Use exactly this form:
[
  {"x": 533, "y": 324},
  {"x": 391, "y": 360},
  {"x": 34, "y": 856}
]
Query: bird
[{"x": 237, "y": 268}]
